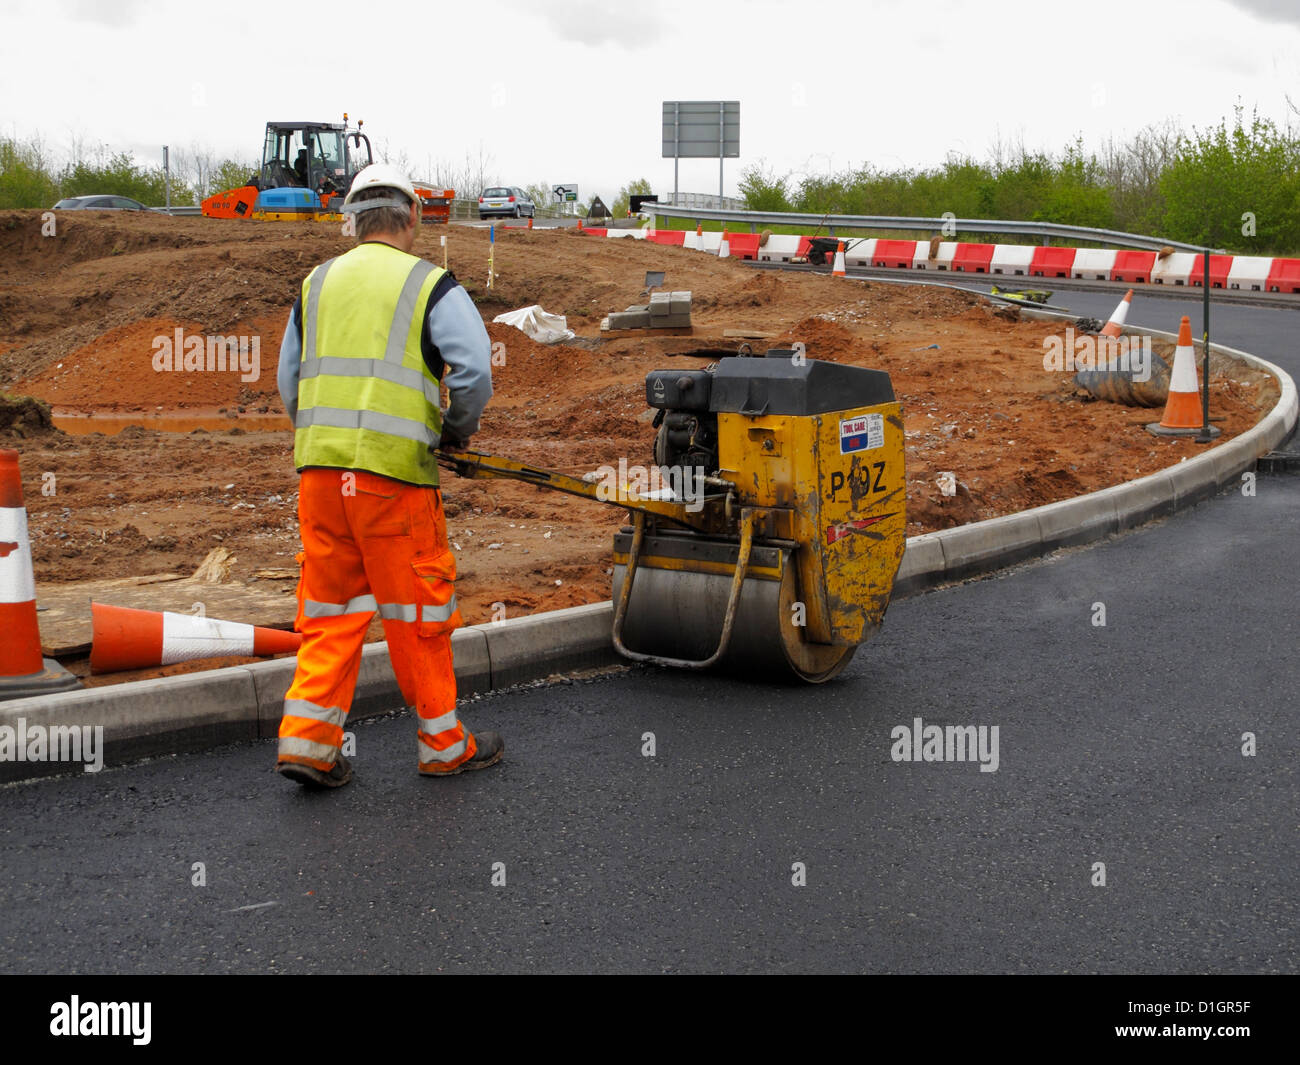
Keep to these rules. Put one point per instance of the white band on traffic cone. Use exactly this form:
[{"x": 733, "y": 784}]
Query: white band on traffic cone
[
  {"x": 17, "y": 580},
  {"x": 186, "y": 637}
]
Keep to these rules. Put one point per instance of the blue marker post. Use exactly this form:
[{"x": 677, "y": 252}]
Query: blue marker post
[{"x": 492, "y": 248}]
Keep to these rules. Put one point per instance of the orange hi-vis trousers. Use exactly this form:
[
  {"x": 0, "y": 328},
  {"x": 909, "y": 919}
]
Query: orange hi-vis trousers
[{"x": 373, "y": 544}]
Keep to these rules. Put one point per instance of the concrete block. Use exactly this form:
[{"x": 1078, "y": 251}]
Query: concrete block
[
  {"x": 922, "y": 566},
  {"x": 671, "y": 321},
  {"x": 659, "y": 305},
  {"x": 629, "y": 320},
  {"x": 679, "y": 303},
  {"x": 984, "y": 546},
  {"x": 146, "y": 718},
  {"x": 524, "y": 649}
]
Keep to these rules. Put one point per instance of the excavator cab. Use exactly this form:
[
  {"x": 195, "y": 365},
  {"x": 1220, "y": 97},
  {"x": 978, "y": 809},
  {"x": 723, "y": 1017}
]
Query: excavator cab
[
  {"x": 307, "y": 168},
  {"x": 320, "y": 156}
]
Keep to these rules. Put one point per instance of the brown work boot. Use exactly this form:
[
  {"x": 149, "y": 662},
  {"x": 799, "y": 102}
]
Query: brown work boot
[
  {"x": 311, "y": 777},
  {"x": 490, "y": 749}
]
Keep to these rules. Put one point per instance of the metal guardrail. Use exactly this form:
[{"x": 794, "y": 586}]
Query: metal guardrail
[{"x": 1043, "y": 230}]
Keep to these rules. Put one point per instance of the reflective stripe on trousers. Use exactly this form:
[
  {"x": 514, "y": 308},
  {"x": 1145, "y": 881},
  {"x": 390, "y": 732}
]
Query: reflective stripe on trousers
[
  {"x": 433, "y": 727},
  {"x": 310, "y": 733},
  {"x": 391, "y": 611}
]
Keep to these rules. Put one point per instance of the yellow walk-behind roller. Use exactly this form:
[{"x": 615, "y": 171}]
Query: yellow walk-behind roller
[{"x": 767, "y": 538}]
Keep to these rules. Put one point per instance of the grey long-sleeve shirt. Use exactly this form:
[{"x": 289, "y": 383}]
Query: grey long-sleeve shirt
[{"x": 456, "y": 330}]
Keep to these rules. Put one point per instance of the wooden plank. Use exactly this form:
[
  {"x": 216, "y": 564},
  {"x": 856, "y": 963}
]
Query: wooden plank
[
  {"x": 680, "y": 331},
  {"x": 747, "y": 334},
  {"x": 63, "y": 610}
]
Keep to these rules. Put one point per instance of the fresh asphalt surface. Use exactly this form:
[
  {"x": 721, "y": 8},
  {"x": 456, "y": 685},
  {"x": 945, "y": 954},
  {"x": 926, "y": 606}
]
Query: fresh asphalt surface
[{"x": 1119, "y": 745}]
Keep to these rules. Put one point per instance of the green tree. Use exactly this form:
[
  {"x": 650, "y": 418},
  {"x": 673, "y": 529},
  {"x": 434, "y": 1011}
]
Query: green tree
[
  {"x": 623, "y": 201},
  {"x": 763, "y": 191},
  {"x": 1222, "y": 174},
  {"x": 231, "y": 174},
  {"x": 25, "y": 178},
  {"x": 118, "y": 175}
]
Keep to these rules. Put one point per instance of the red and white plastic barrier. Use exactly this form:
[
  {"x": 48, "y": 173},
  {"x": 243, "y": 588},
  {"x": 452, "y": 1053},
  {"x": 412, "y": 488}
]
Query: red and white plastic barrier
[
  {"x": 1251, "y": 273},
  {"x": 1012, "y": 259}
]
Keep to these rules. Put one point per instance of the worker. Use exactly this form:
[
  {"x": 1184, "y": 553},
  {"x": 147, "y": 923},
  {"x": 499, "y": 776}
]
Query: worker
[
  {"x": 300, "y": 167},
  {"x": 370, "y": 338}
]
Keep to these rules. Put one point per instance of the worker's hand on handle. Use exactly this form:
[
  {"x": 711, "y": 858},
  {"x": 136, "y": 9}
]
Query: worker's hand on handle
[{"x": 452, "y": 455}]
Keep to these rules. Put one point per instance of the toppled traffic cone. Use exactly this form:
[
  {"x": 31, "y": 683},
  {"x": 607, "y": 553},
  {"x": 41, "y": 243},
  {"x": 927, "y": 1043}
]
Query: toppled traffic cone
[
  {"x": 1114, "y": 327},
  {"x": 1183, "y": 415},
  {"x": 140, "y": 639},
  {"x": 23, "y": 669},
  {"x": 837, "y": 268}
]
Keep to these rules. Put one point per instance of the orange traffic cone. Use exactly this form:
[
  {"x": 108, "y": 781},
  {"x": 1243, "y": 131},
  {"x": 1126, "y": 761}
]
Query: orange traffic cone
[
  {"x": 1183, "y": 415},
  {"x": 579, "y": 225},
  {"x": 138, "y": 639},
  {"x": 23, "y": 669},
  {"x": 530, "y": 221},
  {"x": 837, "y": 267},
  {"x": 1113, "y": 327},
  {"x": 724, "y": 249}
]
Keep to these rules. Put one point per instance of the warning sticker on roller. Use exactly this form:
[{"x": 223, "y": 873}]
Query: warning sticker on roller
[{"x": 862, "y": 434}]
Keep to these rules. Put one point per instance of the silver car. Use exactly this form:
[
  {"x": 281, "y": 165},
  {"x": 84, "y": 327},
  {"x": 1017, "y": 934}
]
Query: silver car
[{"x": 505, "y": 201}]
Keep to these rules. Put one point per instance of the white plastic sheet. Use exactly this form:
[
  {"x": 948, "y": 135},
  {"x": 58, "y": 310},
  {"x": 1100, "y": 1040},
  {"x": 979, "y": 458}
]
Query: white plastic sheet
[{"x": 540, "y": 325}]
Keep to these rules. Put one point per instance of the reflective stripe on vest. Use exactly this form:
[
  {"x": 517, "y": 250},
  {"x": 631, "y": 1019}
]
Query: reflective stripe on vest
[{"x": 366, "y": 399}]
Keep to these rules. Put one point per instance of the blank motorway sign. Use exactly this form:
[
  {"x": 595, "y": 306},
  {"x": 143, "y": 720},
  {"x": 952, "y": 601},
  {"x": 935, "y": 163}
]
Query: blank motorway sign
[{"x": 701, "y": 129}]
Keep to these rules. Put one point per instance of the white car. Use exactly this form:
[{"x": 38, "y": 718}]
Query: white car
[{"x": 505, "y": 201}]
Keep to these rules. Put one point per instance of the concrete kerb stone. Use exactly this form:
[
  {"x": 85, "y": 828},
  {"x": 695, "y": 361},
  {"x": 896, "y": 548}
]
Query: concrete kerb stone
[
  {"x": 1077, "y": 521},
  {"x": 523, "y": 649},
  {"x": 922, "y": 565},
  {"x": 981, "y": 546}
]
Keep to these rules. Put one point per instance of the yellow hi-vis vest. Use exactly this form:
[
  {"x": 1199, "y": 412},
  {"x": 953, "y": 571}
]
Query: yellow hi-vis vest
[{"x": 366, "y": 399}]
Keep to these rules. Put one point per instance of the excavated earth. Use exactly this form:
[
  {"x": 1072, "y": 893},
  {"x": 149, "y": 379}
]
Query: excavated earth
[{"x": 152, "y": 469}]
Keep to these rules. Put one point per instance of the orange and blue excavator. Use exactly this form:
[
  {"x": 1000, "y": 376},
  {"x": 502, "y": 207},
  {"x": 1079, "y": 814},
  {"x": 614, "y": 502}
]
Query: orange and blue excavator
[{"x": 307, "y": 169}]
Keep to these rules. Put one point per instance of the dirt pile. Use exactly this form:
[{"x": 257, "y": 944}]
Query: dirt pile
[
  {"x": 82, "y": 315},
  {"x": 22, "y": 417}
]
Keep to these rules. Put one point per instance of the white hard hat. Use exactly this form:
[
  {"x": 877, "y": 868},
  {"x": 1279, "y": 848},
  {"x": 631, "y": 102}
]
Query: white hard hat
[{"x": 380, "y": 176}]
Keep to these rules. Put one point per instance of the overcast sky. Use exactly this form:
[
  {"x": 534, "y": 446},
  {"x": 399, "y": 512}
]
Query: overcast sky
[{"x": 571, "y": 90}]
